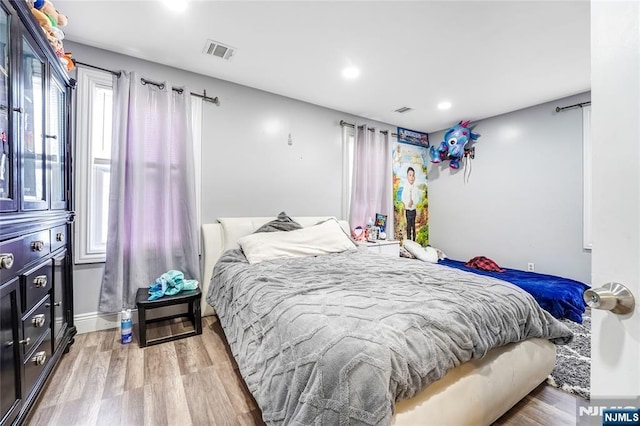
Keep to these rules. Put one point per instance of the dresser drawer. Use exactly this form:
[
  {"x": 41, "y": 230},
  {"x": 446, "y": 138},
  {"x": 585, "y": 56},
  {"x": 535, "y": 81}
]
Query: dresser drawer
[
  {"x": 35, "y": 246},
  {"x": 11, "y": 258},
  {"x": 58, "y": 237},
  {"x": 36, "y": 323},
  {"x": 36, "y": 284},
  {"x": 36, "y": 361}
]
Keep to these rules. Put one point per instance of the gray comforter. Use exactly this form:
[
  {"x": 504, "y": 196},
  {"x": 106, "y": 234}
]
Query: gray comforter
[{"x": 337, "y": 339}]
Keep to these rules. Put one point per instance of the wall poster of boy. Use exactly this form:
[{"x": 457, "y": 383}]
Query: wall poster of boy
[{"x": 410, "y": 194}]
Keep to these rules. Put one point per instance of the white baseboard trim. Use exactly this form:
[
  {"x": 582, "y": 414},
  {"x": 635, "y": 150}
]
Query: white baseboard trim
[{"x": 96, "y": 321}]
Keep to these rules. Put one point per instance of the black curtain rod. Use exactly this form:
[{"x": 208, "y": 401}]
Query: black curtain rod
[
  {"x": 580, "y": 105},
  {"x": 384, "y": 132},
  {"x": 203, "y": 96}
]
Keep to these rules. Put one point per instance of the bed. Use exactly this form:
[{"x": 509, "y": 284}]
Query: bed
[{"x": 284, "y": 376}]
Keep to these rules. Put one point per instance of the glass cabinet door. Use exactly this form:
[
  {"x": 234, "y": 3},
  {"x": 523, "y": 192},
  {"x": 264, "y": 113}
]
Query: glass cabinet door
[
  {"x": 56, "y": 143},
  {"x": 7, "y": 165},
  {"x": 34, "y": 190}
]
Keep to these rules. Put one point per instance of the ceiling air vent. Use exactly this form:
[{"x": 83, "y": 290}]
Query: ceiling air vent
[
  {"x": 218, "y": 50},
  {"x": 403, "y": 110}
]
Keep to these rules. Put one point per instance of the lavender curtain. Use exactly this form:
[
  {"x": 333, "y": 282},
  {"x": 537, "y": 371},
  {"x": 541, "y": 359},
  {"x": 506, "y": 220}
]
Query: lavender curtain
[
  {"x": 152, "y": 200},
  {"x": 371, "y": 190}
]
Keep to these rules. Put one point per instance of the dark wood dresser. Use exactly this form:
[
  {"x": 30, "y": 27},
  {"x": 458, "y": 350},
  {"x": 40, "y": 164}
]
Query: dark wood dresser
[{"x": 36, "y": 288}]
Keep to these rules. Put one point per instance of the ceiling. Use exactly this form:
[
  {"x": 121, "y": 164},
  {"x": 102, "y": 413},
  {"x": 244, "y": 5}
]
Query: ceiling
[{"x": 486, "y": 58}]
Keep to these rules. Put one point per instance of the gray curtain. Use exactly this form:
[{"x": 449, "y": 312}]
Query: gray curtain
[{"x": 152, "y": 200}]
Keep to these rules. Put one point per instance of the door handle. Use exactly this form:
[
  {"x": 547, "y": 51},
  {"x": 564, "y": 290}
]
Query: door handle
[{"x": 612, "y": 297}]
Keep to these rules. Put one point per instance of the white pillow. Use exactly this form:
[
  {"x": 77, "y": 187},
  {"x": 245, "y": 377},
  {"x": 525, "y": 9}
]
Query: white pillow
[
  {"x": 236, "y": 227},
  {"x": 323, "y": 238},
  {"x": 426, "y": 254}
]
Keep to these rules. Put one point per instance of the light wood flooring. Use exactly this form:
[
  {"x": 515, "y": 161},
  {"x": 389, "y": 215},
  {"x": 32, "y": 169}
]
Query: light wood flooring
[{"x": 191, "y": 381}]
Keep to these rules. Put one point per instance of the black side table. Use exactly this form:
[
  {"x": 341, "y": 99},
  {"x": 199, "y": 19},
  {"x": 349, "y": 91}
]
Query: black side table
[{"x": 190, "y": 297}]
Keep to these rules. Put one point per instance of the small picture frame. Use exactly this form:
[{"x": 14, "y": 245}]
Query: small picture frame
[{"x": 381, "y": 222}]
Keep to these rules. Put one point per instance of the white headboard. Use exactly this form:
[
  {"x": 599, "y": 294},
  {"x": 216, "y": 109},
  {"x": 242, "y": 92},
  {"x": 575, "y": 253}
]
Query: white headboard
[{"x": 217, "y": 238}]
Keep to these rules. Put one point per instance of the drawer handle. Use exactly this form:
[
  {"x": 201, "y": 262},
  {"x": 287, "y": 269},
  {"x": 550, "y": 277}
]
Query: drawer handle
[
  {"x": 38, "y": 320},
  {"x": 39, "y": 358},
  {"x": 48, "y": 305},
  {"x": 51, "y": 136},
  {"x": 37, "y": 245},
  {"x": 6, "y": 260},
  {"x": 59, "y": 236},
  {"x": 40, "y": 281},
  {"x": 26, "y": 341},
  {"x": 18, "y": 109}
]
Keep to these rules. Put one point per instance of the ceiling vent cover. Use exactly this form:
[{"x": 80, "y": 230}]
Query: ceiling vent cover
[
  {"x": 218, "y": 50},
  {"x": 403, "y": 110}
]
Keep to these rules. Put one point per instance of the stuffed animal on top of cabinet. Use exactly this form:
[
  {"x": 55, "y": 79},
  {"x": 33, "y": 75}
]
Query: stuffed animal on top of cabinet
[{"x": 50, "y": 20}]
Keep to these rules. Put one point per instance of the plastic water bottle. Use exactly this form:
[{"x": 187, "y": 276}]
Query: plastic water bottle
[{"x": 125, "y": 326}]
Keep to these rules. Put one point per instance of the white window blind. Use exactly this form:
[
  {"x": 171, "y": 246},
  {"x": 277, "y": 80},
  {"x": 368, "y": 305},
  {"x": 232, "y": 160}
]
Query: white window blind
[
  {"x": 93, "y": 157},
  {"x": 348, "y": 145}
]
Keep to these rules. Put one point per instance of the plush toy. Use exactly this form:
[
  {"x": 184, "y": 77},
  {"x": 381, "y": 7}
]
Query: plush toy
[
  {"x": 42, "y": 19},
  {"x": 67, "y": 61},
  {"x": 452, "y": 148},
  {"x": 57, "y": 19},
  {"x": 50, "y": 19}
]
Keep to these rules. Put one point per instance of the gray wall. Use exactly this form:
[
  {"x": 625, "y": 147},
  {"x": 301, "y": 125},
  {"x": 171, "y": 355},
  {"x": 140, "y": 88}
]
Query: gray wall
[
  {"x": 523, "y": 202},
  {"x": 248, "y": 168}
]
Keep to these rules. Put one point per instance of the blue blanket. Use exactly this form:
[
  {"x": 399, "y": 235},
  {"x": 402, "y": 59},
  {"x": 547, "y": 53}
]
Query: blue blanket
[{"x": 561, "y": 297}]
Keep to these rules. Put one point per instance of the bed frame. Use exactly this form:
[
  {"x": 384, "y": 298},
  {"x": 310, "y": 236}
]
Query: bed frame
[{"x": 475, "y": 393}]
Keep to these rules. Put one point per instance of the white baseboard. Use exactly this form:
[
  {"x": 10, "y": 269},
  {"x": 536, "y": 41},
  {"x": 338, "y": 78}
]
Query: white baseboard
[{"x": 96, "y": 321}]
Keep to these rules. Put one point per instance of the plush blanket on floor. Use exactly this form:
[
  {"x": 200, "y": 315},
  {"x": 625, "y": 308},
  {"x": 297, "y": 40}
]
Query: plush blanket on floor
[{"x": 337, "y": 339}]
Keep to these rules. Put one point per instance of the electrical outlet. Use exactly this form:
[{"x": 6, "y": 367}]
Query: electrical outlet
[{"x": 531, "y": 267}]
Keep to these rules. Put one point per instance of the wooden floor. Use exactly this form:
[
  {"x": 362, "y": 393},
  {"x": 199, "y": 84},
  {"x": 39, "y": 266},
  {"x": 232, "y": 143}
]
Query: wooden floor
[{"x": 191, "y": 381}]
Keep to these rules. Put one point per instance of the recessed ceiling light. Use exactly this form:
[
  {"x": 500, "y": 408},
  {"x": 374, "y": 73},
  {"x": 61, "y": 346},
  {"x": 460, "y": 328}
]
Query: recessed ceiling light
[
  {"x": 444, "y": 105},
  {"x": 350, "y": 72},
  {"x": 176, "y": 5}
]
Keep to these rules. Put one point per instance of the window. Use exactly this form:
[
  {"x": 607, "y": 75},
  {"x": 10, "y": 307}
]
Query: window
[
  {"x": 94, "y": 113},
  {"x": 586, "y": 170},
  {"x": 93, "y": 154},
  {"x": 348, "y": 146}
]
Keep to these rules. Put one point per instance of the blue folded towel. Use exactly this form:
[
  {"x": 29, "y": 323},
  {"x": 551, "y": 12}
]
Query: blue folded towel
[{"x": 170, "y": 283}]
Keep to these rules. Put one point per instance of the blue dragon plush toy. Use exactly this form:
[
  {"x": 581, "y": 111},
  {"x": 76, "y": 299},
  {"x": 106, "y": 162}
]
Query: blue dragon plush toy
[{"x": 452, "y": 147}]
